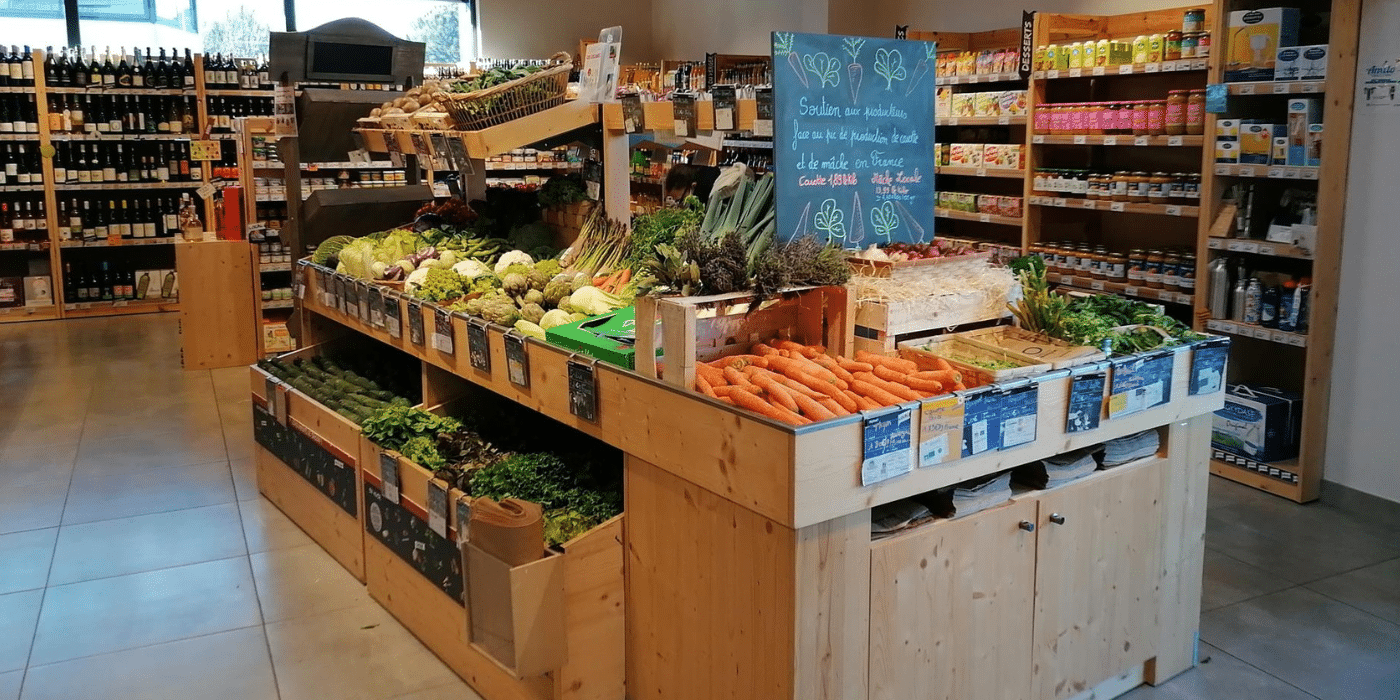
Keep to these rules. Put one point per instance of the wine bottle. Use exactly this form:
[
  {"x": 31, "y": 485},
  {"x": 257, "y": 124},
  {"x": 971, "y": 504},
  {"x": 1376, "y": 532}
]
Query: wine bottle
[
  {"x": 21, "y": 165},
  {"x": 187, "y": 116},
  {"x": 123, "y": 71},
  {"x": 115, "y": 118},
  {"x": 50, "y": 68},
  {"x": 7, "y": 224}
]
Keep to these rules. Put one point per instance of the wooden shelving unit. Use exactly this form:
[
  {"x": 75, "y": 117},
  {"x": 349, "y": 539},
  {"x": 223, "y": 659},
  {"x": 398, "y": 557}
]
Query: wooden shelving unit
[
  {"x": 977, "y": 216},
  {"x": 1184, "y": 141},
  {"x": 1125, "y": 207}
]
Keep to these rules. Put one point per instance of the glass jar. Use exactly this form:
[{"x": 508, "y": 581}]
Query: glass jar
[
  {"x": 1176, "y": 112},
  {"x": 1203, "y": 44},
  {"x": 1156, "y": 45},
  {"x": 1086, "y": 259},
  {"x": 1171, "y": 50},
  {"x": 1041, "y": 122},
  {"x": 1093, "y": 117},
  {"x": 1171, "y": 281},
  {"x": 1117, "y": 268},
  {"x": 1120, "y": 183},
  {"x": 1137, "y": 266},
  {"x": 1140, "y": 110},
  {"x": 1139, "y": 184},
  {"x": 1100, "y": 269},
  {"x": 1152, "y": 271},
  {"x": 1157, "y": 117},
  {"x": 1160, "y": 188},
  {"x": 1196, "y": 112},
  {"x": 1174, "y": 189},
  {"x": 1188, "y": 44},
  {"x": 1193, "y": 20},
  {"x": 1191, "y": 188},
  {"x": 1056, "y": 259},
  {"x": 1077, "y": 112},
  {"x": 1069, "y": 263},
  {"x": 1186, "y": 273}
]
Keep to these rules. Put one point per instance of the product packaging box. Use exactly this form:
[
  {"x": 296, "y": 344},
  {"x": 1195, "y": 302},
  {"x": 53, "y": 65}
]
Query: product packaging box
[
  {"x": 1227, "y": 151},
  {"x": 963, "y": 105},
  {"x": 1012, "y": 102},
  {"x": 1312, "y": 64},
  {"x": 1254, "y": 37},
  {"x": 1288, "y": 64},
  {"x": 1302, "y": 111},
  {"x": 1314, "y": 145},
  {"x": 38, "y": 291},
  {"x": 1227, "y": 129},
  {"x": 986, "y": 104},
  {"x": 1258, "y": 423},
  {"x": 11, "y": 292},
  {"x": 991, "y": 155},
  {"x": 609, "y": 337},
  {"x": 1256, "y": 143},
  {"x": 1279, "y": 154},
  {"x": 943, "y": 100}
]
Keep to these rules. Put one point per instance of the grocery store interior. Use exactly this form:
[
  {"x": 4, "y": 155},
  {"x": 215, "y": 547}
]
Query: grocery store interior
[{"x": 1013, "y": 352}]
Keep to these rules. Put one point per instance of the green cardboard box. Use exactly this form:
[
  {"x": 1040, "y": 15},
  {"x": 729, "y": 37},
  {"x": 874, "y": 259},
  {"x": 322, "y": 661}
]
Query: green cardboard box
[{"x": 608, "y": 337}]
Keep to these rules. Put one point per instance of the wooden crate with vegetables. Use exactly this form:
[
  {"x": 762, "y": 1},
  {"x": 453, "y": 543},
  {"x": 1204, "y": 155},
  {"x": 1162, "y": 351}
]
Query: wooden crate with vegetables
[
  {"x": 900, "y": 298},
  {"x": 979, "y": 364},
  {"x": 1037, "y": 346}
]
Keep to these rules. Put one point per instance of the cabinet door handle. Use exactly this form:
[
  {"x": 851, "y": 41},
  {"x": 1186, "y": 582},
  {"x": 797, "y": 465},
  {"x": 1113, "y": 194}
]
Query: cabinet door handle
[
  {"x": 1027, "y": 525},
  {"x": 1057, "y": 518}
]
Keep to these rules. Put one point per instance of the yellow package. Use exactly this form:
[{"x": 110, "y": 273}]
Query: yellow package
[{"x": 986, "y": 104}]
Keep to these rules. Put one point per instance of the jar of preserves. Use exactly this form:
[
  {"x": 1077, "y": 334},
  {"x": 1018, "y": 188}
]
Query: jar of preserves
[
  {"x": 1186, "y": 273},
  {"x": 1176, "y": 112},
  {"x": 1152, "y": 271},
  {"x": 1096, "y": 187},
  {"x": 1069, "y": 259},
  {"x": 1174, "y": 189},
  {"x": 1171, "y": 281},
  {"x": 1171, "y": 50},
  {"x": 1193, "y": 20},
  {"x": 1188, "y": 44},
  {"x": 1117, "y": 268},
  {"x": 1157, "y": 117},
  {"x": 1058, "y": 252},
  {"x": 1120, "y": 186},
  {"x": 1086, "y": 259},
  {"x": 1093, "y": 117},
  {"x": 1196, "y": 112},
  {"x": 1077, "y": 114},
  {"x": 1160, "y": 187},
  {"x": 1156, "y": 44},
  {"x": 1041, "y": 121},
  {"x": 1140, "y": 119},
  {"x": 1191, "y": 188},
  {"x": 1140, "y": 48},
  {"x": 1137, "y": 266},
  {"x": 1203, "y": 44}
]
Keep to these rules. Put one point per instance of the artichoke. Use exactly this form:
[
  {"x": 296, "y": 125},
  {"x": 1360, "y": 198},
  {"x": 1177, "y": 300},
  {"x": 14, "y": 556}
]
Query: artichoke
[
  {"x": 500, "y": 310},
  {"x": 514, "y": 284},
  {"x": 532, "y": 313},
  {"x": 556, "y": 290},
  {"x": 537, "y": 279},
  {"x": 565, "y": 303},
  {"x": 534, "y": 296}
]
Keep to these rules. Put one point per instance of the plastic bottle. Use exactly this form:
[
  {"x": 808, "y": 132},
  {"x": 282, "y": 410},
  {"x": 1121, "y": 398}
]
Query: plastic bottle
[
  {"x": 1287, "y": 319},
  {"x": 1268, "y": 307},
  {"x": 1219, "y": 272}
]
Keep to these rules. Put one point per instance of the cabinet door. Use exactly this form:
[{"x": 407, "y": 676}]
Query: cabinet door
[
  {"x": 1096, "y": 579},
  {"x": 950, "y": 609}
]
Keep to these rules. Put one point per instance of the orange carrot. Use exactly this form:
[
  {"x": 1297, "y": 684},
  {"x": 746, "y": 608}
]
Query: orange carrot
[
  {"x": 853, "y": 366},
  {"x": 891, "y": 362},
  {"x": 946, "y": 376},
  {"x": 624, "y": 277},
  {"x": 889, "y": 375},
  {"x": 941, "y": 363},
  {"x": 796, "y": 372},
  {"x": 831, "y": 405},
  {"x": 865, "y": 402},
  {"x": 959, "y": 387},
  {"x": 740, "y": 361},
  {"x": 736, "y": 378},
  {"x": 875, "y": 393},
  {"x": 895, "y": 388},
  {"x": 762, "y": 349},
  {"x": 703, "y": 386},
  {"x": 927, "y": 385},
  {"x": 814, "y": 409},
  {"x": 727, "y": 400},
  {"x": 808, "y": 351},
  {"x": 786, "y": 381},
  {"x": 777, "y": 393},
  {"x": 761, "y": 407},
  {"x": 751, "y": 390},
  {"x": 713, "y": 375},
  {"x": 834, "y": 367},
  {"x": 808, "y": 366}
]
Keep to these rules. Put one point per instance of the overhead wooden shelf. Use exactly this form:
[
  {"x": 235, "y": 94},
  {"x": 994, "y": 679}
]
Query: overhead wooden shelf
[
  {"x": 983, "y": 78},
  {"x": 1252, "y": 330},
  {"x": 118, "y": 242},
  {"x": 28, "y": 313},
  {"x": 496, "y": 140},
  {"x": 1007, "y": 173},
  {"x": 118, "y": 308},
  {"x": 660, "y": 116}
]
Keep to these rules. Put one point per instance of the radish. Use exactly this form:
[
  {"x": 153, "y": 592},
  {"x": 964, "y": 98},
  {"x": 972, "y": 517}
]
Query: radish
[{"x": 854, "y": 70}]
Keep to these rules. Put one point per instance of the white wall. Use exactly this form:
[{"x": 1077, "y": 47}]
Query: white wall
[
  {"x": 685, "y": 29},
  {"x": 1363, "y": 444},
  {"x": 538, "y": 28}
]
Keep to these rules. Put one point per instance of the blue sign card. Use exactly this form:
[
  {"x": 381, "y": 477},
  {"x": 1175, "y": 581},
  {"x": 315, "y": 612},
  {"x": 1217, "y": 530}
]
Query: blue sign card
[
  {"x": 1217, "y": 98},
  {"x": 1141, "y": 382},
  {"x": 1086, "y": 399},
  {"x": 854, "y": 146},
  {"x": 1018, "y": 415},
  {"x": 888, "y": 446},
  {"x": 1208, "y": 366},
  {"x": 981, "y": 422}
]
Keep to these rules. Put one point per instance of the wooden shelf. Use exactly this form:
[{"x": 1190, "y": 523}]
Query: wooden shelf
[
  {"x": 29, "y": 313},
  {"x": 1185, "y": 141},
  {"x": 277, "y": 304},
  {"x": 1089, "y": 284},
  {"x": 1184, "y": 65},
  {"x": 119, "y": 242},
  {"x": 503, "y": 138},
  {"x": 1279, "y": 478},
  {"x": 983, "y": 78},
  {"x": 1250, "y": 330},
  {"x": 24, "y": 247},
  {"x": 19, "y": 137},
  {"x": 241, "y": 93},
  {"x": 1183, "y": 210},
  {"x": 1284, "y": 87},
  {"x": 1240, "y": 245},
  {"x": 1272, "y": 172},
  {"x": 127, "y": 186},
  {"x": 1002, "y": 120},
  {"x": 117, "y": 92},
  {"x": 1007, "y": 173},
  {"x": 527, "y": 167},
  {"x": 10, "y": 189},
  {"x": 16, "y": 90},
  {"x": 123, "y": 137},
  {"x": 659, "y": 116},
  {"x": 275, "y": 267},
  {"x": 974, "y": 216},
  {"x": 90, "y": 309}
]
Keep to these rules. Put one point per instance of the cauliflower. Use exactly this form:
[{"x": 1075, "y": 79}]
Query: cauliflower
[
  {"x": 554, "y": 318},
  {"x": 436, "y": 263},
  {"x": 439, "y": 284},
  {"x": 532, "y": 313},
  {"x": 514, "y": 284},
  {"x": 550, "y": 268},
  {"x": 471, "y": 269},
  {"x": 529, "y": 329},
  {"x": 415, "y": 278},
  {"x": 581, "y": 280},
  {"x": 513, "y": 257},
  {"x": 449, "y": 258}
]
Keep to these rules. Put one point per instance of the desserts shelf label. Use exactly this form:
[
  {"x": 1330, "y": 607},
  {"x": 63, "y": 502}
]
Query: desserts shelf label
[
  {"x": 854, "y": 119},
  {"x": 888, "y": 445},
  {"x": 1140, "y": 383},
  {"x": 1208, "y": 366}
]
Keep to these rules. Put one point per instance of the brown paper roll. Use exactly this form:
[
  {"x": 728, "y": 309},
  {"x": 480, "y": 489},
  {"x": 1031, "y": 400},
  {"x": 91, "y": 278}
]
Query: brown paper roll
[{"x": 511, "y": 530}]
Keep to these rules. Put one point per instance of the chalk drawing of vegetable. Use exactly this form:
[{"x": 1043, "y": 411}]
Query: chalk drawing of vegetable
[
  {"x": 826, "y": 68},
  {"x": 857, "y": 224},
  {"x": 930, "y": 54},
  {"x": 782, "y": 44},
  {"x": 913, "y": 224},
  {"x": 854, "y": 70},
  {"x": 890, "y": 66},
  {"x": 831, "y": 220},
  {"x": 885, "y": 220},
  {"x": 802, "y": 222}
]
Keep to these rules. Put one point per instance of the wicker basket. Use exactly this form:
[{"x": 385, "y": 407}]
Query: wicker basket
[{"x": 520, "y": 97}]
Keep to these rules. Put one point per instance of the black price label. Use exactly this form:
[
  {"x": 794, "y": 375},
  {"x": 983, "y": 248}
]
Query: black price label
[
  {"x": 338, "y": 292},
  {"x": 352, "y": 298},
  {"x": 362, "y": 295},
  {"x": 442, "y": 154},
  {"x": 763, "y": 117},
  {"x": 1019, "y": 410},
  {"x": 391, "y": 144},
  {"x": 458, "y": 149},
  {"x": 393, "y": 321},
  {"x": 1085, "y": 401},
  {"x": 389, "y": 474},
  {"x": 376, "y": 307},
  {"x": 415, "y": 323},
  {"x": 437, "y": 507},
  {"x": 981, "y": 424},
  {"x": 725, "y": 104},
  {"x": 442, "y": 330},
  {"x": 464, "y": 518},
  {"x": 324, "y": 288},
  {"x": 583, "y": 390},
  {"x": 517, "y": 361},
  {"x": 478, "y": 346},
  {"x": 683, "y": 113},
  {"x": 299, "y": 282},
  {"x": 633, "y": 115}
]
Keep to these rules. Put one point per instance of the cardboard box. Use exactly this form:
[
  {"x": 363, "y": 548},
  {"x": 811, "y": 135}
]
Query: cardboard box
[
  {"x": 986, "y": 104},
  {"x": 1254, "y": 39},
  {"x": 38, "y": 291},
  {"x": 1256, "y": 143},
  {"x": 1258, "y": 423},
  {"x": 1227, "y": 129},
  {"x": 1314, "y": 145},
  {"x": 1313, "y": 62},
  {"x": 608, "y": 337},
  {"x": 1278, "y": 155},
  {"x": 1227, "y": 151},
  {"x": 1302, "y": 111},
  {"x": 1288, "y": 64},
  {"x": 963, "y": 105},
  {"x": 943, "y": 101}
]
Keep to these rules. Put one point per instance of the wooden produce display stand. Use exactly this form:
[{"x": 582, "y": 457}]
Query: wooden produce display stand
[{"x": 217, "y": 313}]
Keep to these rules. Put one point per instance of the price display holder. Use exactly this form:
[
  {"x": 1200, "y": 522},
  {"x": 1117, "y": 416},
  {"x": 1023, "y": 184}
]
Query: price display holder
[
  {"x": 478, "y": 345},
  {"x": 1208, "y": 365},
  {"x": 517, "y": 360},
  {"x": 1019, "y": 405},
  {"x": 887, "y": 443},
  {"x": 981, "y": 423},
  {"x": 683, "y": 112},
  {"x": 437, "y": 507},
  {"x": 940, "y": 429},
  {"x": 763, "y": 118},
  {"x": 442, "y": 331},
  {"x": 464, "y": 518},
  {"x": 725, "y": 105},
  {"x": 415, "y": 323},
  {"x": 276, "y": 393},
  {"x": 1140, "y": 382},
  {"x": 393, "y": 321},
  {"x": 633, "y": 115},
  {"x": 338, "y": 292},
  {"x": 583, "y": 388},
  {"x": 389, "y": 475},
  {"x": 376, "y": 307},
  {"x": 1086, "y": 388}
]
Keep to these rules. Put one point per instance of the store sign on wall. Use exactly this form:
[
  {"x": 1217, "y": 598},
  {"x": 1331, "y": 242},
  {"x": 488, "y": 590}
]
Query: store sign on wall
[{"x": 854, "y": 119}]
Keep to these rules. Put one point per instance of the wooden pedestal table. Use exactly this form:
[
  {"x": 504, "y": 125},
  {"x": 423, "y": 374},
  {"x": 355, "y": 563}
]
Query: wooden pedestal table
[{"x": 217, "y": 318}]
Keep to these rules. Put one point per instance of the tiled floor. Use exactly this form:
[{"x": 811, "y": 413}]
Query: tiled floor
[{"x": 137, "y": 559}]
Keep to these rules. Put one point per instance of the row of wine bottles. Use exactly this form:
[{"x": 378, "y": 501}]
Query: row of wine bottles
[
  {"x": 26, "y": 221},
  {"x": 149, "y": 71},
  {"x": 108, "y": 281},
  {"x": 124, "y": 114},
  {"x": 82, "y": 163}
]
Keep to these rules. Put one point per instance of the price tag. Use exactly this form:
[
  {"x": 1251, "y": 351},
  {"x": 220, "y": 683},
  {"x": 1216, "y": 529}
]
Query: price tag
[
  {"x": 1310, "y": 173},
  {"x": 632, "y": 113},
  {"x": 1173, "y": 210},
  {"x": 393, "y": 321},
  {"x": 1096, "y": 285},
  {"x": 1152, "y": 68},
  {"x": 1310, "y": 88},
  {"x": 1089, "y": 204},
  {"x": 1086, "y": 400},
  {"x": 206, "y": 190},
  {"x": 1168, "y": 67},
  {"x": 478, "y": 345},
  {"x": 1098, "y": 70},
  {"x": 119, "y": 303},
  {"x": 363, "y": 294},
  {"x": 1125, "y": 69},
  {"x": 1245, "y": 89},
  {"x": 583, "y": 389},
  {"x": 981, "y": 172},
  {"x": 940, "y": 428},
  {"x": 1234, "y": 246},
  {"x": 1176, "y": 140},
  {"x": 1249, "y": 247},
  {"x": 437, "y": 507},
  {"x": 724, "y": 104},
  {"x": 464, "y": 518},
  {"x": 1076, "y": 72},
  {"x": 299, "y": 282},
  {"x": 887, "y": 445},
  {"x": 1066, "y": 279},
  {"x": 952, "y": 121},
  {"x": 984, "y": 218},
  {"x": 1291, "y": 173},
  {"x": 1222, "y": 170},
  {"x": 517, "y": 360},
  {"x": 1052, "y": 74},
  {"x": 1117, "y": 206},
  {"x": 415, "y": 323},
  {"x": 1142, "y": 140},
  {"x": 1184, "y": 299},
  {"x": 1297, "y": 340},
  {"x": 1276, "y": 173},
  {"x": 352, "y": 298},
  {"x": 1110, "y": 140},
  {"x": 1061, "y": 202},
  {"x": 1081, "y": 139},
  {"x": 1039, "y": 75},
  {"x": 376, "y": 307},
  {"x": 205, "y": 150},
  {"x": 1140, "y": 383},
  {"x": 1279, "y": 337},
  {"x": 1018, "y": 415},
  {"x": 763, "y": 118},
  {"x": 1266, "y": 249},
  {"x": 1246, "y": 171},
  {"x": 974, "y": 79},
  {"x": 1038, "y": 138},
  {"x": 1004, "y": 119},
  {"x": 442, "y": 331},
  {"x": 981, "y": 422},
  {"x": 338, "y": 291},
  {"x": 389, "y": 475},
  {"x": 1282, "y": 88}
]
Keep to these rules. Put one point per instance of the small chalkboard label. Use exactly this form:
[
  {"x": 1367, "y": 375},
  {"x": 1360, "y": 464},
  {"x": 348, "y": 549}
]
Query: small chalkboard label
[
  {"x": 583, "y": 390},
  {"x": 437, "y": 507},
  {"x": 763, "y": 115},
  {"x": 415, "y": 323},
  {"x": 981, "y": 422},
  {"x": 633, "y": 115},
  {"x": 352, "y": 298},
  {"x": 517, "y": 361},
  {"x": 478, "y": 345},
  {"x": 376, "y": 307},
  {"x": 389, "y": 474},
  {"x": 887, "y": 445},
  {"x": 725, "y": 104},
  {"x": 442, "y": 331},
  {"x": 464, "y": 518},
  {"x": 393, "y": 321},
  {"x": 683, "y": 115},
  {"x": 1140, "y": 382},
  {"x": 1019, "y": 411}
]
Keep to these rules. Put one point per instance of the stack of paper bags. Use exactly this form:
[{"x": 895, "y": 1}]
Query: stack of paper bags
[
  {"x": 1058, "y": 470},
  {"x": 1132, "y": 447},
  {"x": 511, "y": 530}
]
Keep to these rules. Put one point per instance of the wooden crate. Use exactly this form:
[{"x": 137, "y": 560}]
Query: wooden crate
[
  {"x": 903, "y": 268},
  {"x": 881, "y": 325},
  {"x": 923, "y": 352},
  {"x": 1042, "y": 348},
  {"x": 703, "y": 328}
]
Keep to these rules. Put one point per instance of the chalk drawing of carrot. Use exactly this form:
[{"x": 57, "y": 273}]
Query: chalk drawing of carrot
[
  {"x": 782, "y": 44},
  {"x": 913, "y": 224},
  {"x": 930, "y": 54},
  {"x": 854, "y": 70},
  {"x": 857, "y": 224}
]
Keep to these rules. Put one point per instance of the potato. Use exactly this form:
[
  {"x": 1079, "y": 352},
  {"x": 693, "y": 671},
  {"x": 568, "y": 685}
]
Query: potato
[
  {"x": 392, "y": 110},
  {"x": 411, "y": 105}
]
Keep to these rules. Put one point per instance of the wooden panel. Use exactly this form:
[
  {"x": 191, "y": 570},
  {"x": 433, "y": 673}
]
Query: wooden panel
[
  {"x": 218, "y": 319},
  {"x": 1096, "y": 597},
  {"x": 594, "y": 622},
  {"x": 1184, "y": 482},
  {"x": 529, "y": 129},
  {"x": 833, "y": 609},
  {"x": 338, "y": 532},
  {"x": 709, "y": 594},
  {"x": 951, "y": 607}
]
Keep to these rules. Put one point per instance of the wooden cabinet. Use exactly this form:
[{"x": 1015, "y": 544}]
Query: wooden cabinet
[{"x": 1042, "y": 598}]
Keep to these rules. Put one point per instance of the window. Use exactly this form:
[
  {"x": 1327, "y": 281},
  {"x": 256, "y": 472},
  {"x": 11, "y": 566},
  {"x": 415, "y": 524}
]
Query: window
[
  {"x": 129, "y": 23},
  {"x": 444, "y": 25},
  {"x": 240, "y": 27},
  {"x": 37, "y": 22}
]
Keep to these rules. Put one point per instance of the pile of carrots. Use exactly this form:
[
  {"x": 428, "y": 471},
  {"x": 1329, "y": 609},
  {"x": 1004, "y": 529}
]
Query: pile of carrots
[
  {"x": 800, "y": 384},
  {"x": 613, "y": 282}
]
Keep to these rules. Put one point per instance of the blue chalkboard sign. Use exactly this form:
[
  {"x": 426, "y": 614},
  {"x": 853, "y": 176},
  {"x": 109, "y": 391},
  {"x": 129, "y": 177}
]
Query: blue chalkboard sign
[{"x": 854, "y": 134}]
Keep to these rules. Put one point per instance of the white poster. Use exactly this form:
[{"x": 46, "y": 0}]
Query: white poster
[{"x": 597, "y": 78}]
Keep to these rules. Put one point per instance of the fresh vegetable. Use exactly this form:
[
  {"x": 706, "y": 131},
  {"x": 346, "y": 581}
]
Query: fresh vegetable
[
  {"x": 392, "y": 427},
  {"x": 353, "y": 391},
  {"x": 593, "y": 301},
  {"x": 562, "y": 190},
  {"x": 436, "y": 284},
  {"x": 330, "y": 249},
  {"x": 530, "y": 329},
  {"x": 514, "y": 257}
]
